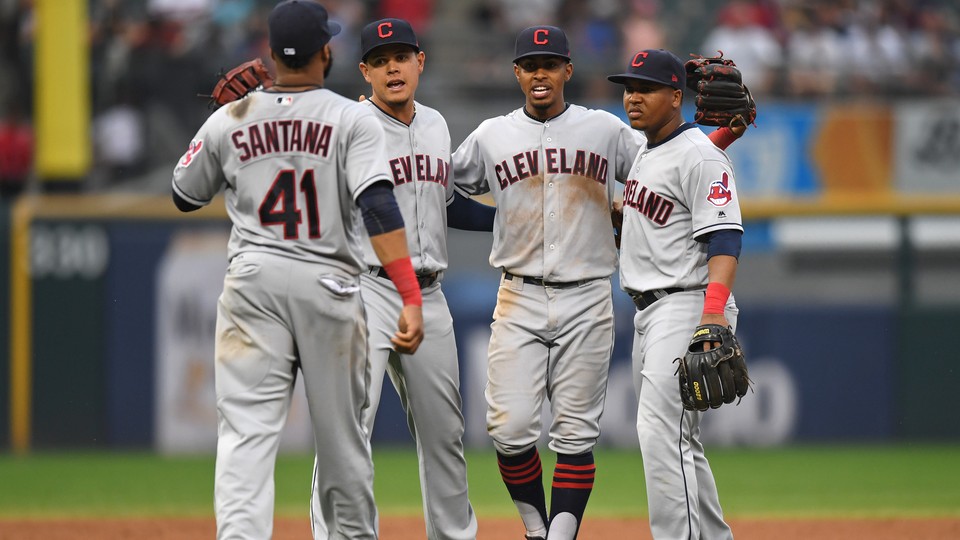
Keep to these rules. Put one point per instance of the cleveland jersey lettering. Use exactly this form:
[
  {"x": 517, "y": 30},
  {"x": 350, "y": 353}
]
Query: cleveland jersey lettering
[
  {"x": 420, "y": 168},
  {"x": 654, "y": 206},
  {"x": 554, "y": 196}
]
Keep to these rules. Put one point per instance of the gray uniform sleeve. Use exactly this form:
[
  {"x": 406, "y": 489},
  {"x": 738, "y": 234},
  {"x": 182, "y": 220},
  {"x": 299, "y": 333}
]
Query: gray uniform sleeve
[
  {"x": 364, "y": 152},
  {"x": 198, "y": 176},
  {"x": 714, "y": 195},
  {"x": 468, "y": 168}
]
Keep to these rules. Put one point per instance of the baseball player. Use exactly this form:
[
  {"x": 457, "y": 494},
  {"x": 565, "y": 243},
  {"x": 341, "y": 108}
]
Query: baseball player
[
  {"x": 296, "y": 161},
  {"x": 682, "y": 235},
  {"x": 428, "y": 382},
  {"x": 550, "y": 167}
]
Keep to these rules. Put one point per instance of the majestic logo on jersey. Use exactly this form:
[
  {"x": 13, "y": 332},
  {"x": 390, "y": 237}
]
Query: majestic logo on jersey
[
  {"x": 558, "y": 161},
  {"x": 421, "y": 168},
  {"x": 720, "y": 193},
  {"x": 196, "y": 146},
  {"x": 649, "y": 203},
  {"x": 256, "y": 140}
]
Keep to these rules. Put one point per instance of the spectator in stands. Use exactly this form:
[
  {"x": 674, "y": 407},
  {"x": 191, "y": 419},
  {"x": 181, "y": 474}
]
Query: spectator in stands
[
  {"x": 16, "y": 151},
  {"x": 741, "y": 36}
]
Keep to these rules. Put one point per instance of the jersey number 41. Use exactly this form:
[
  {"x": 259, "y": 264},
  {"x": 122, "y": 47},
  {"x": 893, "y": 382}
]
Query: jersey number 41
[{"x": 279, "y": 206}]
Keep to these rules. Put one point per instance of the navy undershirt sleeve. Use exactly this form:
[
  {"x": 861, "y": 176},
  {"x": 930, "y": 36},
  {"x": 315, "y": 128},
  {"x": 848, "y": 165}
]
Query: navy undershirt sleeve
[
  {"x": 379, "y": 209},
  {"x": 182, "y": 204},
  {"x": 724, "y": 242},
  {"x": 467, "y": 214}
]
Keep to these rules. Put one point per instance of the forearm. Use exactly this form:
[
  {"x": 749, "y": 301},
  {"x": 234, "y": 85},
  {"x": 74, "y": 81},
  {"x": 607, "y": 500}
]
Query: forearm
[{"x": 390, "y": 246}]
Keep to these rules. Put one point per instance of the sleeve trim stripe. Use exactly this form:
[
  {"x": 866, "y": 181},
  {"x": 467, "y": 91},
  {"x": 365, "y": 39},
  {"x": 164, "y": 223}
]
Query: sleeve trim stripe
[
  {"x": 717, "y": 227},
  {"x": 188, "y": 198}
]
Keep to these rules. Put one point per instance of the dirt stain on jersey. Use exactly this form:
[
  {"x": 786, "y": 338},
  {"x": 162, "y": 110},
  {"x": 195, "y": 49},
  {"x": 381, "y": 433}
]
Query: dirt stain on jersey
[
  {"x": 238, "y": 109},
  {"x": 528, "y": 215},
  {"x": 583, "y": 189}
]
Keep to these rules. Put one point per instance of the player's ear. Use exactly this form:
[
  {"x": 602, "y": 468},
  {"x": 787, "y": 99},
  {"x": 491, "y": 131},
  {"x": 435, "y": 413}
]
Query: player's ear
[
  {"x": 516, "y": 71},
  {"x": 363, "y": 71},
  {"x": 569, "y": 71},
  {"x": 421, "y": 58}
]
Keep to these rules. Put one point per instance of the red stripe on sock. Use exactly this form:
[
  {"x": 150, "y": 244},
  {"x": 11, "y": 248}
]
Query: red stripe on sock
[
  {"x": 590, "y": 476},
  {"x": 521, "y": 474},
  {"x": 513, "y": 480},
  {"x": 534, "y": 459},
  {"x": 568, "y": 467}
]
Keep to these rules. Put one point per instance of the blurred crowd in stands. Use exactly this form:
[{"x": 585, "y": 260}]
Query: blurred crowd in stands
[{"x": 151, "y": 58}]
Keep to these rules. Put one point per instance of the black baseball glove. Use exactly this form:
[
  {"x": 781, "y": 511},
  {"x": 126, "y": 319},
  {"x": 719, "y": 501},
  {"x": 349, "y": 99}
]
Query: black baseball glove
[
  {"x": 722, "y": 99},
  {"x": 240, "y": 81},
  {"x": 708, "y": 379}
]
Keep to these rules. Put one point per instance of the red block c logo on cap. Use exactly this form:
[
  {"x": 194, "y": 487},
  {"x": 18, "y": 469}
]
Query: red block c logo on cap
[
  {"x": 385, "y": 33},
  {"x": 637, "y": 62},
  {"x": 540, "y": 36}
]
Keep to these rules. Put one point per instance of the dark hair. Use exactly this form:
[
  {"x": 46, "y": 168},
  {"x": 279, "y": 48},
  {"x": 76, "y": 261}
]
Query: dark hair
[{"x": 295, "y": 62}]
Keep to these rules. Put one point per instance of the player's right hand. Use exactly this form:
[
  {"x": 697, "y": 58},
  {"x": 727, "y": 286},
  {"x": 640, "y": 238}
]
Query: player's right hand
[{"x": 409, "y": 330}]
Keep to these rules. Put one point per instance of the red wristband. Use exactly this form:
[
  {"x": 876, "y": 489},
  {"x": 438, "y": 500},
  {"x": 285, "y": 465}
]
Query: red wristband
[
  {"x": 402, "y": 275},
  {"x": 716, "y": 299},
  {"x": 723, "y": 137}
]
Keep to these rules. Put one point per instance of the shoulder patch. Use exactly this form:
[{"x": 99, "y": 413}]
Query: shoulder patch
[
  {"x": 196, "y": 145},
  {"x": 720, "y": 194}
]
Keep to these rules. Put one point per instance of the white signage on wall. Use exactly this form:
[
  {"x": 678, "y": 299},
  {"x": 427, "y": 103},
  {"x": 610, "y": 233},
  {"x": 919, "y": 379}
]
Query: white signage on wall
[{"x": 927, "y": 146}]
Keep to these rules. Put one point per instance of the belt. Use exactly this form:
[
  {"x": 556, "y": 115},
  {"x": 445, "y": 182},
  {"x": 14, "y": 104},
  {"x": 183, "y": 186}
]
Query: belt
[
  {"x": 644, "y": 299},
  {"x": 425, "y": 280},
  {"x": 541, "y": 283}
]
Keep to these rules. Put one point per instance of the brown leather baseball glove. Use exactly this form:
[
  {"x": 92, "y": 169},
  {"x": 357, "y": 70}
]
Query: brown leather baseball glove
[
  {"x": 240, "y": 81},
  {"x": 722, "y": 98}
]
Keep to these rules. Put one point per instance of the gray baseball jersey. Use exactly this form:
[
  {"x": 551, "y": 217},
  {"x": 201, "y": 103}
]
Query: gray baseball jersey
[
  {"x": 553, "y": 183},
  {"x": 679, "y": 190},
  {"x": 552, "y": 333},
  {"x": 427, "y": 382},
  {"x": 292, "y": 165}
]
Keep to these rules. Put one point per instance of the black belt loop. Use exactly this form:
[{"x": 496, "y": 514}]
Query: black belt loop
[
  {"x": 539, "y": 282},
  {"x": 645, "y": 299},
  {"x": 424, "y": 280}
]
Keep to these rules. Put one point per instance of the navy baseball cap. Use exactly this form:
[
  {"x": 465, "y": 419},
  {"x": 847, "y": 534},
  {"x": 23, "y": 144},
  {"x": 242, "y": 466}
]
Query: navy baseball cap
[
  {"x": 537, "y": 40},
  {"x": 655, "y": 65},
  {"x": 299, "y": 28},
  {"x": 386, "y": 32}
]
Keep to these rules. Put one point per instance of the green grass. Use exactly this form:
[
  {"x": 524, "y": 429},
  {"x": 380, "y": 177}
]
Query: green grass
[{"x": 837, "y": 481}]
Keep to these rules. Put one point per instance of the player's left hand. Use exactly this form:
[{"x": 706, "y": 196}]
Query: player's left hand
[
  {"x": 713, "y": 318},
  {"x": 616, "y": 218},
  {"x": 722, "y": 98},
  {"x": 409, "y": 333},
  {"x": 715, "y": 375},
  {"x": 240, "y": 81}
]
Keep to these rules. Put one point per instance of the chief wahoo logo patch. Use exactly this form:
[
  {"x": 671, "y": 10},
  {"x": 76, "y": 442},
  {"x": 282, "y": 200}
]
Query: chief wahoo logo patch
[{"x": 720, "y": 194}]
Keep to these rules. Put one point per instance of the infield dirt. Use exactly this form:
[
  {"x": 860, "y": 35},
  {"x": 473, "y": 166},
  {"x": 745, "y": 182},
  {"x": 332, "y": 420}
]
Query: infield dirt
[{"x": 411, "y": 528}]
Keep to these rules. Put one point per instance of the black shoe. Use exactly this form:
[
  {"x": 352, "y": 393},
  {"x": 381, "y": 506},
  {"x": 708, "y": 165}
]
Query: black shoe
[{"x": 534, "y": 537}]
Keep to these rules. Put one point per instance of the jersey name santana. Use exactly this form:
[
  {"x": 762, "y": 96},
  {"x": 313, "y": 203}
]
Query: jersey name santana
[{"x": 291, "y": 166}]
